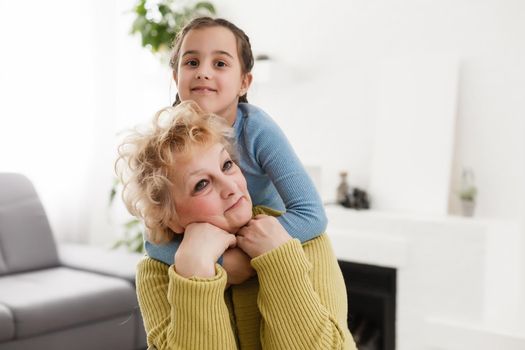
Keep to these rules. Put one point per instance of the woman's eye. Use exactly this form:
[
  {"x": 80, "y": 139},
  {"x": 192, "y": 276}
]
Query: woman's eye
[
  {"x": 200, "y": 185},
  {"x": 227, "y": 165}
]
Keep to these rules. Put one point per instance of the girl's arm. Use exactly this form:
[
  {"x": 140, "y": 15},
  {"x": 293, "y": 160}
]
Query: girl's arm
[
  {"x": 237, "y": 265},
  {"x": 181, "y": 313},
  {"x": 163, "y": 252},
  {"x": 305, "y": 217}
]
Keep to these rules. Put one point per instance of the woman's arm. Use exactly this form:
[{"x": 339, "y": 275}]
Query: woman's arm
[
  {"x": 234, "y": 261},
  {"x": 183, "y": 305},
  {"x": 302, "y": 309},
  {"x": 181, "y": 313},
  {"x": 302, "y": 295}
]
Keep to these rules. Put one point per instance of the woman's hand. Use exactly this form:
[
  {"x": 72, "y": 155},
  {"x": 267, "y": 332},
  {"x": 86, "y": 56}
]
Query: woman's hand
[
  {"x": 237, "y": 265},
  {"x": 262, "y": 234},
  {"x": 201, "y": 247}
]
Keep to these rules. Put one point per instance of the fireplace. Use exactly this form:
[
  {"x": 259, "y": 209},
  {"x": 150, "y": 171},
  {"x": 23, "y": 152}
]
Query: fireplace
[{"x": 371, "y": 292}]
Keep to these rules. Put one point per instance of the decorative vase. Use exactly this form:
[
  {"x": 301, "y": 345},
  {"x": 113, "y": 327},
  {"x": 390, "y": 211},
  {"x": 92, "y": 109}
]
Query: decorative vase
[
  {"x": 343, "y": 190},
  {"x": 467, "y": 207}
]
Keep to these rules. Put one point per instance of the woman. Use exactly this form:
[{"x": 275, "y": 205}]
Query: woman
[{"x": 180, "y": 177}]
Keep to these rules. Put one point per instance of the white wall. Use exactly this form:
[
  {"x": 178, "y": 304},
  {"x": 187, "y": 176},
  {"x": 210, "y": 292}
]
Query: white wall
[
  {"x": 324, "y": 93},
  {"x": 334, "y": 49}
]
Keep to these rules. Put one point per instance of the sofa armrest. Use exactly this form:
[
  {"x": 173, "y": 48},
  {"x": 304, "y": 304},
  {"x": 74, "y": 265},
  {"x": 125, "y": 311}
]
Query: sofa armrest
[{"x": 117, "y": 263}]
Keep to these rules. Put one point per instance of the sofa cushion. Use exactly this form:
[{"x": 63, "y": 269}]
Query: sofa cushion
[
  {"x": 57, "y": 298},
  {"x": 118, "y": 263},
  {"x": 7, "y": 324},
  {"x": 112, "y": 334},
  {"x": 26, "y": 241}
]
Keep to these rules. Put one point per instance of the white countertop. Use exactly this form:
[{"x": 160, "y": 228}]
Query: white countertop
[{"x": 452, "y": 272}]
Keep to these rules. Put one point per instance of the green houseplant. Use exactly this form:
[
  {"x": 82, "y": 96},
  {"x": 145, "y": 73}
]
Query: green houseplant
[
  {"x": 133, "y": 228},
  {"x": 468, "y": 192},
  {"x": 158, "y": 22}
]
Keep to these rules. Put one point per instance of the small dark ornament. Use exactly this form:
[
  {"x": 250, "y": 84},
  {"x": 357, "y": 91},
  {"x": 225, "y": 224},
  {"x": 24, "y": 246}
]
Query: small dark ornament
[{"x": 357, "y": 199}]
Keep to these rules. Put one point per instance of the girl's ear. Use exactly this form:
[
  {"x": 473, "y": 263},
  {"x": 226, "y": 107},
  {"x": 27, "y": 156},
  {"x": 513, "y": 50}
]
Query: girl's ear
[
  {"x": 245, "y": 84},
  {"x": 175, "y": 76}
]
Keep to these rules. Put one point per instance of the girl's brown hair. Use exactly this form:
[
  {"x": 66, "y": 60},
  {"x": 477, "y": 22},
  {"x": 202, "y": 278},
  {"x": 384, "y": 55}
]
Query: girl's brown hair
[
  {"x": 244, "y": 48},
  {"x": 146, "y": 162}
]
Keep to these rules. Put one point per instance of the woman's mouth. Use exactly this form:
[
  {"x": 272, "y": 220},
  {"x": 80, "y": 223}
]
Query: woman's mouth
[{"x": 236, "y": 204}]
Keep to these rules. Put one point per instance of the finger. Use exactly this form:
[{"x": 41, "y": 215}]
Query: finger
[
  {"x": 240, "y": 241},
  {"x": 242, "y": 232},
  {"x": 232, "y": 241},
  {"x": 260, "y": 216},
  {"x": 249, "y": 223}
]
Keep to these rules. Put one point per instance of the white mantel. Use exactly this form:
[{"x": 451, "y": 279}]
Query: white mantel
[{"x": 456, "y": 274}]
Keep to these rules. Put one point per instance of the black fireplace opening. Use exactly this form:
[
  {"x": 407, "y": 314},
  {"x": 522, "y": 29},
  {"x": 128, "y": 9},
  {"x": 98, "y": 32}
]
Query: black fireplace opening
[{"x": 371, "y": 292}]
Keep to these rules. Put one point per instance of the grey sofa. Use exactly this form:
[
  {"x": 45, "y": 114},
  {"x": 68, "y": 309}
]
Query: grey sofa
[{"x": 60, "y": 296}]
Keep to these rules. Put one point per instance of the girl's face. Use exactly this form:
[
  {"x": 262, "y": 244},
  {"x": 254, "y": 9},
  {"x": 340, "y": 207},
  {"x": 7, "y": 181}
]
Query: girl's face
[
  {"x": 209, "y": 71},
  {"x": 210, "y": 188}
]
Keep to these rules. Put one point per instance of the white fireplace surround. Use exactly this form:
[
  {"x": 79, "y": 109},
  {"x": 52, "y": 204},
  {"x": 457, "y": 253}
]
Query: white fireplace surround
[{"x": 458, "y": 279}]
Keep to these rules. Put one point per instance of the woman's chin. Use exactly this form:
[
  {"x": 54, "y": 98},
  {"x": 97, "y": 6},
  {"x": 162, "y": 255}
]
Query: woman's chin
[{"x": 240, "y": 218}]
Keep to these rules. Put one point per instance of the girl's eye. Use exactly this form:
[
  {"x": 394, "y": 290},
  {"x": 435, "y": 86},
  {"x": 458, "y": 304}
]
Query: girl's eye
[
  {"x": 227, "y": 165},
  {"x": 200, "y": 185},
  {"x": 192, "y": 63},
  {"x": 220, "y": 64}
]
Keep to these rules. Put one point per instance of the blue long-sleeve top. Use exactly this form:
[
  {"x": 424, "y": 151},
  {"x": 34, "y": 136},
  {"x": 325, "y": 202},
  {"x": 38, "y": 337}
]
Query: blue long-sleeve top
[{"x": 275, "y": 176}]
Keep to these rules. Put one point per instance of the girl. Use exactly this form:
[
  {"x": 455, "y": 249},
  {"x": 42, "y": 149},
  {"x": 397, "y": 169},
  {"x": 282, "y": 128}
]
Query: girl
[
  {"x": 181, "y": 177},
  {"x": 212, "y": 62}
]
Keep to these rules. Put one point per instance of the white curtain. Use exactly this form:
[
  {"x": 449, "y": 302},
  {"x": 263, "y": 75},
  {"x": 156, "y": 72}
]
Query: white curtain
[
  {"x": 47, "y": 89},
  {"x": 71, "y": 78}
]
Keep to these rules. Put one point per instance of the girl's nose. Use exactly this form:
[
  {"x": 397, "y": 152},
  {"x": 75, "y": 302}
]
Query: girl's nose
[{"x": 202, "y": 73}]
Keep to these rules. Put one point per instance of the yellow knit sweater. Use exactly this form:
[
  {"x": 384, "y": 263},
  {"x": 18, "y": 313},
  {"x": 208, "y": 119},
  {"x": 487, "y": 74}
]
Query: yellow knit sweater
[{"x": 296, "y": 301}]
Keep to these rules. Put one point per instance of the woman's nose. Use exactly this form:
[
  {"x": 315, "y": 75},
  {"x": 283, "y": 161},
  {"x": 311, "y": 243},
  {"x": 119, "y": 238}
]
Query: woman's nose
[{"x": 228, "y": 188}]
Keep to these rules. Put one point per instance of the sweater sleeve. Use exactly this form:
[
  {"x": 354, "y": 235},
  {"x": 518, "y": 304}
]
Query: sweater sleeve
[
  {"x": 163, "y": 252},
  {"x": 181, "y": 313},
  {"x": 301, "y": 308},
  {"x": 305, "y": 216}
]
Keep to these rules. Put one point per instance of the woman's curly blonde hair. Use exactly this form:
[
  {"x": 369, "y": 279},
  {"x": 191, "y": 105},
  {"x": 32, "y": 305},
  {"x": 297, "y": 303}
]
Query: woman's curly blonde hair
[{"x": 146, "y": 162}]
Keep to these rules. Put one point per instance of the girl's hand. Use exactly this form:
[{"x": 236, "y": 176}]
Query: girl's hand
[
  {"x": 201, "y": 247},
  {"x": 237, "y": 265},
  {"x": 262, "y": 234}
]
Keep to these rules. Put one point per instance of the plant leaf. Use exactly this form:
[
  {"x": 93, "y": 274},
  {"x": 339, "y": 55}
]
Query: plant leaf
[
  {"x": 118, "y": 244},
  {"x": 113, "y": 190},
  {"x": 140, "y": 8},
  {"x": 131, "y": 224},
  {"x": 205, "y": 5}
]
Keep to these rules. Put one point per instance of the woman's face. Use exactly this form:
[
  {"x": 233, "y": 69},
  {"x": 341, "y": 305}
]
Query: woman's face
[{"x": 210, "y": 187}]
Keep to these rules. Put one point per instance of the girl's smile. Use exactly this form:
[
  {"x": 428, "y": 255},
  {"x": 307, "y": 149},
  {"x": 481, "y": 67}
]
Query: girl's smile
[{"x": 200, "y": 89}]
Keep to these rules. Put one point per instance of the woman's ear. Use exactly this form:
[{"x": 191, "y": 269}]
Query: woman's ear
[
  {"x": 174, "y": 73},
  {"x": 245, "y": 84},
  {"x": 175, "y": 225}
]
